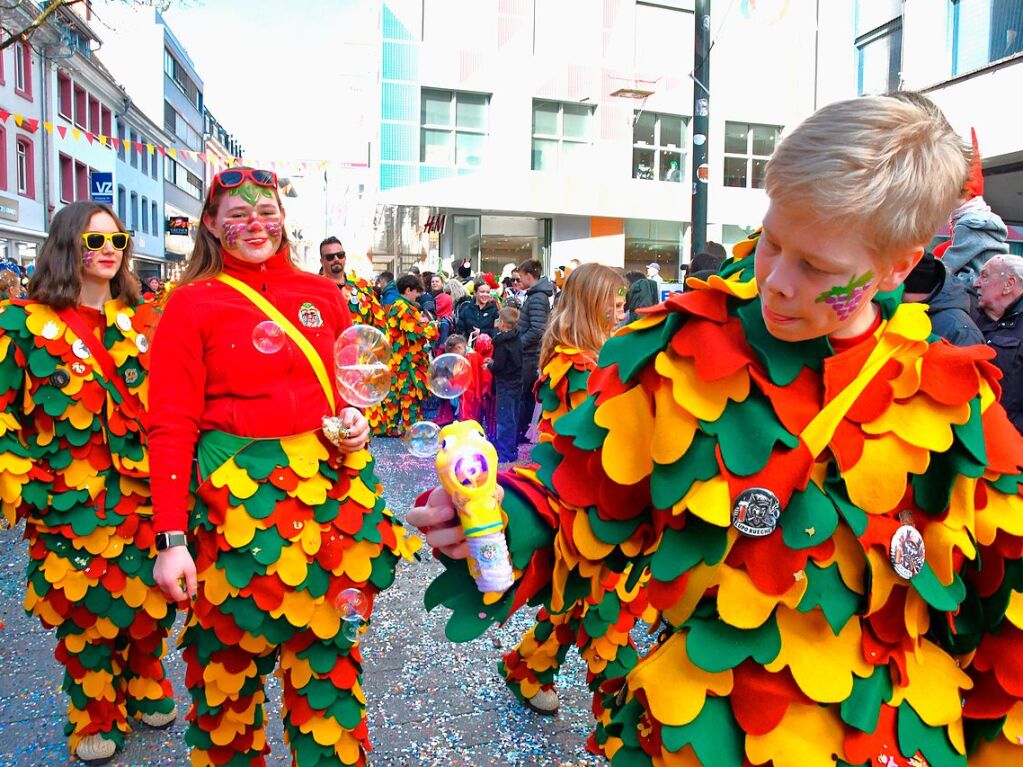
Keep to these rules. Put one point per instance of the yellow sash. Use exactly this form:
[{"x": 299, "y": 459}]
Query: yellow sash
[{"x": 294, "y": 334}]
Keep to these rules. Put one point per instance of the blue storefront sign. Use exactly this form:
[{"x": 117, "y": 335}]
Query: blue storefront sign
[{"x": 101, "y": 187}]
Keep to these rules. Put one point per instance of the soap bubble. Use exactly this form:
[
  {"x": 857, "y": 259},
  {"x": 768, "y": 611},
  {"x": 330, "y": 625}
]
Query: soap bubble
[
  {"x": 423, "y": 438},
  {"x": 268, "y": 337},
  {"x": 350, "y": 630},
  {"x": 449, "y": 376},
  {"x": 362, "y": 358},
  {"x": 353, "y": 605}
]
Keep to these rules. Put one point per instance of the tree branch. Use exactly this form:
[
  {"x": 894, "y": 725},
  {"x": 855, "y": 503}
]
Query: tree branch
[{"x": 38, "y": 22}]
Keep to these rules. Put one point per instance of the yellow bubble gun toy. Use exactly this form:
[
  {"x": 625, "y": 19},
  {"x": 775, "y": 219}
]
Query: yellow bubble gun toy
[{"x": 467, "y": 468}]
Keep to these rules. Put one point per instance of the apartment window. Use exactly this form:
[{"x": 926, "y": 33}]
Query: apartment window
[
  {"x": 561, "y": 134},
  {"x": 121, "y": 204},
  {"x": 657, "y": 148},
  {"x": 120, "y": 141},
  {"x": 81, "y": 181},
  {"x": 81, "y": 107},
  {"x": 879, "y": 59},
  {"x": 748, "y": 147},
  {"x": 154, "y": 218},
  {"x": 143, "y": 157},
  {"x": 170, "y": 117},
  {"x": 453, "y": 128},
  {"x": 984, "y": 31},
  {"x": 169, "y": 172},
  {"x": 26, "y": 167},
  {"x": 154, "y": 167},
  {"x": 22, "y": 69},
  {"x": 133, "y": 213},
  {"x": 145, "y": 214},
  {"x": 65, "y": 105},
  {"x": 134, "y": 154},
  {"x": 94, "y": 123},
  {"x": 67, "y": 179},
  {"x": 105, "y": 119},
  {"x": 168, "y": 63},
  {"x": 3, "y": 158}
]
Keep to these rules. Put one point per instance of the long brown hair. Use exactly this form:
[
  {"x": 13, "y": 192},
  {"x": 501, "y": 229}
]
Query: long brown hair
[
  {"x": 206, "y": 259},
  {"x": 57, "y": 279},
  {"x": 584, "y": 316}
]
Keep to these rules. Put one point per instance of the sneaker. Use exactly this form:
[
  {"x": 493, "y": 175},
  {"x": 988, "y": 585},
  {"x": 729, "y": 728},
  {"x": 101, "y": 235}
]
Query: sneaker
[
  {"x": 95, "y": 749},
  {"x": 544, "y": 702},
  {"x": 160, "y": 720}
]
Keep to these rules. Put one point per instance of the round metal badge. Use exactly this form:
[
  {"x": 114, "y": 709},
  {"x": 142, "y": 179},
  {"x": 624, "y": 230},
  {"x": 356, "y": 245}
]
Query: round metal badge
[
  {"x": 756, "y": 512},
  {"x": 79, "y": 368},
  {"x": 60, "y": 378},
  {"x": 123, "y": 322},
  {"x": 142, "y": 343},
  {"x": 79, "y": 349},
  {"x": 907, "y": 552},
  {"x": 131, "y": 376},
  {"x": 50, "y": 331}
]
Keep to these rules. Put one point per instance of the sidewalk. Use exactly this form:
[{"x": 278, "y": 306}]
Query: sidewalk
[{"x": 431, "y": 703}]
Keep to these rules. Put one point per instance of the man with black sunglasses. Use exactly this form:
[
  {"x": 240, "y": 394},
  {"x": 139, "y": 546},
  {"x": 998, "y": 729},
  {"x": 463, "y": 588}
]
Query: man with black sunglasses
[{"x": 362, "y": 299}]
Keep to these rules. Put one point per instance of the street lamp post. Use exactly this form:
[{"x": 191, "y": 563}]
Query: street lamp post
[{"x": 701, "y": 124}]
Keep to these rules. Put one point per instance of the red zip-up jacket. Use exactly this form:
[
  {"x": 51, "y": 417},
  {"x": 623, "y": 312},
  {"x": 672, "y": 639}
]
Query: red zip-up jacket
[{"x": 206, "y": 372}]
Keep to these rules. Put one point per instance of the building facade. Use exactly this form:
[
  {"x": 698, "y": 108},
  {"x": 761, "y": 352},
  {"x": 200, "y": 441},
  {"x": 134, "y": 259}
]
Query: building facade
[
  {"x": 965, "y": 55},
  {"x": 512, "y": 129}
]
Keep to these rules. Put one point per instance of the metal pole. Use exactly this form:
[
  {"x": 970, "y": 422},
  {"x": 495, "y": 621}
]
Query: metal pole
[{"x": 701, "y": 124}]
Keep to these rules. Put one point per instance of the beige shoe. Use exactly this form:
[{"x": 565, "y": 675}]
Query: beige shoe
[
  {"x": 159, "y": 721},
  {"x": 95, "y": 749},
  {"x": 544, "y": 702}
]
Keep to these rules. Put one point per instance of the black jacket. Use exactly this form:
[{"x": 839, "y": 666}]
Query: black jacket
[
  {"x": 428, "y": 303},
  {"x": 1005, "y": 336},
  {"x": 949, "y": 309},
  {"x": 471, "y": 316},
  {"x": 507, "y": 365},
  {"x": 642, "y": 293},
  {"x": 536, "y": 310}
]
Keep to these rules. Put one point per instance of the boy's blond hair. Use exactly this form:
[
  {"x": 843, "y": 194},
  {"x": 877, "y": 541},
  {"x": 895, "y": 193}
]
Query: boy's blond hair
[
  {"x": 509, "y": 316},
  {"x": 885, "y": 168}
]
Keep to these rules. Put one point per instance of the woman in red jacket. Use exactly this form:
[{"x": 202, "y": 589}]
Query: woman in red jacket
[{"x": 288, "y": 540}]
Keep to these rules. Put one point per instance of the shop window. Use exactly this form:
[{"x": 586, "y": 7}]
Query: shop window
[
  {"x": 748, "y": 147},
  {"x": 25, "y": 152},
  {"x": 561, "y": 134},
  {"x": 649, "y": 241},
  {"x": 657, "y": 148},
  {"x": 984, "y": 31},
  {"x": 453, "y": 128}
]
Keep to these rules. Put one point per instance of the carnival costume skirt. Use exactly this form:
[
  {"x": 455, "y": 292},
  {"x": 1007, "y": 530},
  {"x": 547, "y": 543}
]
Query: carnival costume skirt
[{"x": 280, "y": 529}]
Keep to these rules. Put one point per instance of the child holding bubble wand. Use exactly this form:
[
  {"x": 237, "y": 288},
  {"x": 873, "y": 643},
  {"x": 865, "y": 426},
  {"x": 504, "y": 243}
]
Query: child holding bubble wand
[
  {"x": 826, "y": 495},
  {"x": 288, "y": 536}
]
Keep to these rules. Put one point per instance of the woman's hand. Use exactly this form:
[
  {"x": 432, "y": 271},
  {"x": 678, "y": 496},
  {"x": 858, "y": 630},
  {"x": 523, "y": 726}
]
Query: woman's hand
[
  {"x": 355, "y": 422},
  {"x": 174, "y": 566},
  {"x": 439, "y": 521}
]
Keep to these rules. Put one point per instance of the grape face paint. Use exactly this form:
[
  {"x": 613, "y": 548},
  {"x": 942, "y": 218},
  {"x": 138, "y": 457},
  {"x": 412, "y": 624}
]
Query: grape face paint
[
  {"x": 232, "y": 232},
  {"x": 846, "y": 299},
  {"x": 273, "y": 228},
  {"x": 88, "y": 257}
]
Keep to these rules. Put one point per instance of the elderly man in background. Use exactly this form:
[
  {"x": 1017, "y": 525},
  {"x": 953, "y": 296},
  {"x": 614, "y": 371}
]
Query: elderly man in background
[{"x": 1000, "y": 285}]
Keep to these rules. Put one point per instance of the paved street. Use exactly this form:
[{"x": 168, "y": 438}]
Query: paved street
[{"x": 430, "y": 702}]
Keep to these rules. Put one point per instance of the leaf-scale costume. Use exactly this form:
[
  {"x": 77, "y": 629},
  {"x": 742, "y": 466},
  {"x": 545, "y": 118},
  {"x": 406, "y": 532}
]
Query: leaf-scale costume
[
  {"x": 363, "y": 303},
  {"x": 74, "y": 466},
  {"x": 282, "y": 524},
  {"x": 599, "y": 626},
  {"x": 410, "y": 334},
  {"x": 802, "y": 647}
]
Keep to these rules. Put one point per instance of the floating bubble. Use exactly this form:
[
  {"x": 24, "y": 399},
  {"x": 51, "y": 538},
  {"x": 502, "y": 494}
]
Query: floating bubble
[
  {"x": 353, "y": 605},
  {"x": 268, "y": 337},
  {"x": 423, "y": 438},
  {"x": 449, "y": 376},
  {"x": 351, "y": 630},
  {"x": 362, "y": 359}
]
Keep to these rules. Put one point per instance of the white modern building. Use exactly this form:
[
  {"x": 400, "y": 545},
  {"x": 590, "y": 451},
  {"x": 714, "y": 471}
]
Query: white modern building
[
  {"x": 966, "y": 55},
  {"x": 560, "y": 129}
]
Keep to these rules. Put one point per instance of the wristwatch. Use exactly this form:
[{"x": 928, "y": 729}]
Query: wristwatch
[{"x": 165, "y": 541}]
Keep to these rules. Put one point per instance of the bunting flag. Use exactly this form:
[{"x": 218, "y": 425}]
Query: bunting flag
[{"x": 215, "y": 161}]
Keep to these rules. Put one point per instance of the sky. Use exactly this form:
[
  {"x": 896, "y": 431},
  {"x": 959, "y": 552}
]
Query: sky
[{"x": 290, "y": 79}]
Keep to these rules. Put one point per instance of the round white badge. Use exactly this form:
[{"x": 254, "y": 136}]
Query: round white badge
[
  {"x": 50, "y": 330},
  {"x": 123, "y": 322},
  {"x": 142, "y": 343},
  {"x": 80, "y": 350}
]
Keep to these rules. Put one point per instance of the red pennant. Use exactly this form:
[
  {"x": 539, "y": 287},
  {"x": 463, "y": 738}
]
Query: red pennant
[
  {"x": 62, "y": 130},
  {"x": 89, "y": 137},
  {"x": 4, "y": 114}
]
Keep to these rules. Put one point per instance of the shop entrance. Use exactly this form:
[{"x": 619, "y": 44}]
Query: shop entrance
[{"x": 491, "y": 242}]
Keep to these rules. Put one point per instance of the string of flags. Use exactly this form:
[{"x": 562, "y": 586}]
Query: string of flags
[{"x": 214, "y": 160}]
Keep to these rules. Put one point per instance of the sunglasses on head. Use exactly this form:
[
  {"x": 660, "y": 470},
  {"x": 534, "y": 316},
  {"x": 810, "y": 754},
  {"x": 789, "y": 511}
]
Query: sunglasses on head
[
  {"x": 96, "y": 240},
  {"x": 332, "y": 256},
  {"x": 229, "y": 179}
]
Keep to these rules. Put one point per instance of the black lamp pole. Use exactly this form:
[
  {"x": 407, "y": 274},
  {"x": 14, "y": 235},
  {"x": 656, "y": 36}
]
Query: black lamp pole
[{"x": 701, "y": 124}]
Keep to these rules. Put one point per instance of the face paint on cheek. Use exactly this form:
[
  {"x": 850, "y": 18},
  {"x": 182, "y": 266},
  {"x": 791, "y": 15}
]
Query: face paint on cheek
[
  {"x": 273, "y": 228},
  {"x": 88, "y": 257},
  {"x": 846, "y": 299},
  {"x": 231, "y": 233}
]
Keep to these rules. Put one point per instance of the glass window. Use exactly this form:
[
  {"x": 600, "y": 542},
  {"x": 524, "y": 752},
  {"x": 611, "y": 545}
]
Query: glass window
[
  {"x": 664, "y": 159},
  {"x": 984, "y": 31},
  {"x": 561, "y": 134},
  {"x": 747, "y": 150},
  {"x": 121, "y": 204},
  {"x": 649, "y": 241},
  {"x": 155, "y": 219},
  {"x": 453, "y": 128},
  {"x": 879, "y": 60},
  {"x": 145, "y": 214},
  {"x": 22, "y": 151}
]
